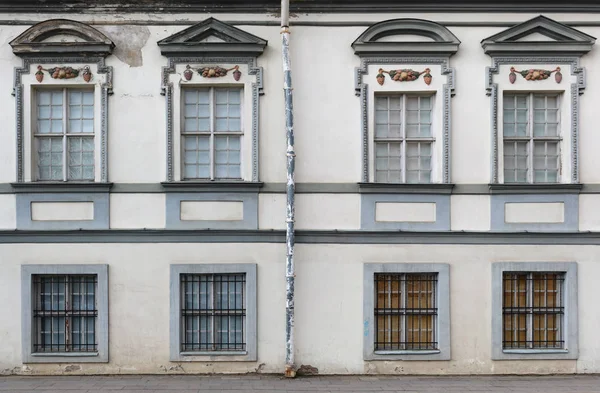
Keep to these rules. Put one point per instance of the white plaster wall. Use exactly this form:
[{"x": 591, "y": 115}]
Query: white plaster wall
[
  {"x": 329, "y": 282},
  {"x": 8, "y": 212},
  {"x": 470, "y": 213},
  {"x": 131, "y": 211},
  {"x": 327, "y": 113},
  {"x": 313, "y": 211},
  {"x": 589, "y": 212}
]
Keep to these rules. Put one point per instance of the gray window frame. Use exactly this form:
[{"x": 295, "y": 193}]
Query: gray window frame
[
  {"x": 250, "y": 354},
  {"x": 27, "y": 293},
  {"x": 443, "y": 302},
  {"x": 571, "y": 332}
]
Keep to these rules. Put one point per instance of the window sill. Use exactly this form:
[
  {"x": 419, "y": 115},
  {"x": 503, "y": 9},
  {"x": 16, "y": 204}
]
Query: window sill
[
  {"x": 60, "y": 187},
  {"x": 533, "y": 351},
  {"x": 215, "y": 353},
  {"x": 214, "y": 356},
  {"x": 536, "y": 188},
  {"x": 212, "y": 186},
  {"x": 413, "y": 352},
  {"x": 405, "y": 188},
  {"x": 65, "y": 354}
]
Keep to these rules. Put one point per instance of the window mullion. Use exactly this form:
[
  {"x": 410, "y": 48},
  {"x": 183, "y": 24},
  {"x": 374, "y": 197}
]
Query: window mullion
[
  {"x": 530, "y": 176},
  {"x": 403, "y": 144},
  {"x": 65, "y": 143},
  {"x": 212, "y": 121}
]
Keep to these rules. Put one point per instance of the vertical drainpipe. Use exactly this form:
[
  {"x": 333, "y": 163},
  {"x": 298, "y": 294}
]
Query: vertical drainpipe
[{"x": 290, "y": 370}]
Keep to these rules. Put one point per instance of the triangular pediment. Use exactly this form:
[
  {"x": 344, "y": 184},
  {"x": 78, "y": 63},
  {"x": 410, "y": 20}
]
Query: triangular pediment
[
  {"x": 61, "y": 37},
  {"x": 212, "y": 36},
  {"x": 540, "y": 35}
]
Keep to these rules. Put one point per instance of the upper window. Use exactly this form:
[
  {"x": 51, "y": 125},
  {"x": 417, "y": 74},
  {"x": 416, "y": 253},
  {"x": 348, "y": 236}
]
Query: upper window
[
  {"x": 64, "y": 135},
  {"x": 532, "y": 138},
  {"x": 403, "y": 138},
  {"x": 61, "y": 95},
  {"x": 405, "y": 83},
  {"x": 212, "y": 133},
  {"x": 212, "y": 86},
  {"x": 534, "y": 82}
]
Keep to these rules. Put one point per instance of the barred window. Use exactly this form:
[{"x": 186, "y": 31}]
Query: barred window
[
  {"x": 65, "y": 313},
  {"x": 64, "y": 135},
  {"x": 403, "y": 138},
  {"x": 406, "y": 311},
  {"x": 533, "y": 310},
  {"x": 213, "y": 315},
  {"x": 531, "y": 138},
  {"x": 212, "y": 133}
]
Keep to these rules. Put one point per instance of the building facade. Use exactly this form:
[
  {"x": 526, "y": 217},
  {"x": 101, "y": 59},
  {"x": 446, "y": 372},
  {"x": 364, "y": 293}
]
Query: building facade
[{"x": 447, "y": 198}]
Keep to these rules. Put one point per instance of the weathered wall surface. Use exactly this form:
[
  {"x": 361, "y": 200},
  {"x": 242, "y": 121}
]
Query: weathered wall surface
[
  {"x": 328, "y": 308},
  {"x": 328, "y": 147}
]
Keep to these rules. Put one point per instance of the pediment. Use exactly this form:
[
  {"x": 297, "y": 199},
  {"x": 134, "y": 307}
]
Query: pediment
[
  {"x": 406, "y": 36},
  {"x": 540, "y": 35},
  {"x": 212, "y": 37},
  {"x": 62, "y": 37}
]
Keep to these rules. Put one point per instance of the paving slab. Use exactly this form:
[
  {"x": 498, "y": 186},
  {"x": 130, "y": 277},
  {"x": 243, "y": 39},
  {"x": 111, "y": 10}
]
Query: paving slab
[{"x": 321, "y": 384}]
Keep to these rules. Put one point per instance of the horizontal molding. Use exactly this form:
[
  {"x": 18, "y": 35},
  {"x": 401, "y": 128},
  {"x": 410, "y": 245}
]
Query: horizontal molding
[
  {"x": 211, "y": 186},
  {"x": 304, "y": 188},
  {"x": 391, "y": 188},
  {"x": 303, "y": 237},
  {"x": 536, "y": 188},
  {"x": 273, "y": 6},
  {"x": 350, "y": 23},
  {"x": 60, "y": 187}
]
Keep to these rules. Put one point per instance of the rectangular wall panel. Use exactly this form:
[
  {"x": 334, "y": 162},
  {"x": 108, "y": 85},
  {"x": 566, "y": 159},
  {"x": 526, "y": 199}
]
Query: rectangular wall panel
[{"x": 62, "y": 211}]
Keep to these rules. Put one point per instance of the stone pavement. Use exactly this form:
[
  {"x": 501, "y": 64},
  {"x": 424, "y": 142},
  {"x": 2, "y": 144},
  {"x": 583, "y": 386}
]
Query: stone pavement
[{"x": 269, "y": 383}]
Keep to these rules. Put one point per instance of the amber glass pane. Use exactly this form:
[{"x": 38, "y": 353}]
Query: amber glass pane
[
  {"x": 419, "y": 331},
  {"x": 381, "y": 297},
  {"x": 419, "y": 291},
  {"x": 395, "y": 292},
  {"x": 381, "y": 328}
]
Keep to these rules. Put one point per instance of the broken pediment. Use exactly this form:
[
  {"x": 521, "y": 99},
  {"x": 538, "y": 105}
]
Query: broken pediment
[
  {"x": 61, "y": 37},
  {"x": 539, "y": 36},
  {"x": 212, "y": 37},
  {"x": 406, "y": 37}
]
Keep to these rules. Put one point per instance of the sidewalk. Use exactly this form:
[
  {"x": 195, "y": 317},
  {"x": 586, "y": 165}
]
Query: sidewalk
[{"x": 265, "y": 383}]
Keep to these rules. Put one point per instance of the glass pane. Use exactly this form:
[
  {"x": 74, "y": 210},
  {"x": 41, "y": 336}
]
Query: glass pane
[
  {"x": 43, "y": 112},
  {"x": 43, "y": 126},
  {"x": 44, "y": 97},
  {"x": 88, "y": 98}
]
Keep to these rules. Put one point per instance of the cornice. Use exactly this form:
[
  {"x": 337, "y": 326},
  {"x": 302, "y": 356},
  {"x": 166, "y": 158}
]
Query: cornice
[{"x": 317, "y": 6}]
